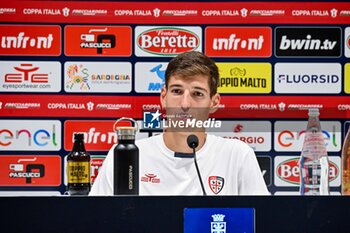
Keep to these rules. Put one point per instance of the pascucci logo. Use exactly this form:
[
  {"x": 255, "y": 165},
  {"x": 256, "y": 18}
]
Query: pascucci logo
[{"x": 167, "y": 41}]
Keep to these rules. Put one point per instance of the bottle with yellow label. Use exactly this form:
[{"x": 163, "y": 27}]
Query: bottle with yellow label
[{"x": 78, "y": 168}]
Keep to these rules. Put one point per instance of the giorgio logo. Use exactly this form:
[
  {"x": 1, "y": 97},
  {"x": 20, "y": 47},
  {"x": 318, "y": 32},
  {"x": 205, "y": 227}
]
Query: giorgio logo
[
  {"x": 30, "y": 135},
  {"x": 30, "y": 170},
  {"x": 308, "y": 41},
  {"x": 30, "y": 40},
  {"x": 97, "y": 40},
  {"x": 168, "y": 41}
]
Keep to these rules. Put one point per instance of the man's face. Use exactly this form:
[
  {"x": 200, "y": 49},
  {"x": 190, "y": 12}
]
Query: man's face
[{"x": 188, "y": 98}]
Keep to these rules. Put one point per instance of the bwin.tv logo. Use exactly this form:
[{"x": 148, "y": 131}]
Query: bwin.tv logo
[{"x": 151, "y": 120}]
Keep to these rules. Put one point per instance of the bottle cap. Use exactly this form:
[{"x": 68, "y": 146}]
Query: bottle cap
[
  {"x": 314, "y": 112},
  {"x": 78, "y": 136},
  {"x": 126, "y": 132}
]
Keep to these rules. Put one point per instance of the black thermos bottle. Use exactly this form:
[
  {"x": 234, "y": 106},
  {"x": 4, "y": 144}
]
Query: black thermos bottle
[{"x": 126, "y": 163}]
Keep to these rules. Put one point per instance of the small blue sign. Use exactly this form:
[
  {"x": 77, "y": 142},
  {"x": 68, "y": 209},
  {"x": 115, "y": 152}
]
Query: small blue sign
[
  {"x": 151, "y": 120},
  {"x": 219, "y": 220}
]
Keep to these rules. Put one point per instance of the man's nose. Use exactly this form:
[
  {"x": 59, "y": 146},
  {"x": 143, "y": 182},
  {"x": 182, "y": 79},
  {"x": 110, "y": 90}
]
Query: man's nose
[{"x": 186, "y": 101}]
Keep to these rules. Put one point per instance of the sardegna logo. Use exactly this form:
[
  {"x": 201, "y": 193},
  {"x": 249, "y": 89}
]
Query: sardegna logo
[
  {"x": 166, "y": 41},
  {"x": 287, "y": 171}
]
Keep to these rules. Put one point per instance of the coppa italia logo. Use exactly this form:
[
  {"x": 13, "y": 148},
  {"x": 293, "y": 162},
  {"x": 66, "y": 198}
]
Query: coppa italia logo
[
  {"x": 97, "y": 40},
  {"x": 30, "y": 76},
  {"x": 288, "y": 172},
  {"x": 28, "y": 170},
  {"x": 30, "y": 40},
  {"x": 308, "y": 41},
  {"x": 166, "y": 41},
  {"x": 238, "y": 41},
  {"x": 98, "y": 135},
  {"x": 30, "y": 135},
  {"x": 289, "y": 135}
]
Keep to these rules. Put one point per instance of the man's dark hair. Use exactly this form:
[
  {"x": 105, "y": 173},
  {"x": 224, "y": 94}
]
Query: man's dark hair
[{"x": 194, "y": 63}]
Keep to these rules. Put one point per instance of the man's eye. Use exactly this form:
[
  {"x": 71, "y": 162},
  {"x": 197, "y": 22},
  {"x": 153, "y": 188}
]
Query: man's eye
[
  {"x": 199, "y": 94},
  {"x": 176, "y": 91}
]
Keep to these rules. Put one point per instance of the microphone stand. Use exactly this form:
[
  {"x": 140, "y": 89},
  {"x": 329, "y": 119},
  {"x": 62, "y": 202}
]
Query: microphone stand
[{"x": 199, "y": 174}]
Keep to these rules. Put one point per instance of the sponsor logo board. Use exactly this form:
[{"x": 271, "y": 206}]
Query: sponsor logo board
[
  {"x": 29, "y": 193},
  {"x": 245, "y": 77},
  {"x": 287, "y": 171},
  {"x": 308, "y": 78},
  {"x": 257, "y": 134},
  {"x": 104, "y": 77},
  {"x": 347, "y": 78},
  {"x": 30, "y": 76},
  {"x": 28, "y": 170},
  {"x": 289, "y": 135},
  {"x": 151, "y": 41},
  {"x": 30, "y": 135},
  {"x": 97, "y": 40},
  {"x": 265, "y": 165},
  {"x": 308, "y": 41},
  {"x": 347, "y": 41},
  {"x": 150, "y": 76},
  {"x": 30, "y": 40},
  {"x": 98, "y": 135},
  {"x": 238, "y": 41}
]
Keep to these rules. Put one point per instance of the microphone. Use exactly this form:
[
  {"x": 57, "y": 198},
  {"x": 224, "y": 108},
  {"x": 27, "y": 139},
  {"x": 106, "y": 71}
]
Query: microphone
[{"x": 192, "y": 142}]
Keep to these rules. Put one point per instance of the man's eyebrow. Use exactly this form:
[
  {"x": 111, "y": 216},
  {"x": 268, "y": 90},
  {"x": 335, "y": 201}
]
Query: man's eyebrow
[
  {"x": 175, "y": 85},
  {"x": 201, "y": 88}
]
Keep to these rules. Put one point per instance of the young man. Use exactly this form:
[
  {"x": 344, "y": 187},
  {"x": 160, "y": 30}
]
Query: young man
[{"x": 227, "y": 167}]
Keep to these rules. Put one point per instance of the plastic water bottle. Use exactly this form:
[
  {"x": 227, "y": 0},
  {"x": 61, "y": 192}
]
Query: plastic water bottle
[
  {"x": 314, "y": 165},
  {"x": 346, "y": 165},
  {"x": 126, "y": 161}
]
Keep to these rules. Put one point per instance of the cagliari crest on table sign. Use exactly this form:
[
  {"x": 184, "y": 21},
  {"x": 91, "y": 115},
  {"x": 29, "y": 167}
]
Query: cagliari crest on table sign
[{"x": 218, "y": 225}]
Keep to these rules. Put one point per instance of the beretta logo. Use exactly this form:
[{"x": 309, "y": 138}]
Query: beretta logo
[
  {"x": 167, "y": 41},
  {"x": 308, "y": 41},
  {"x": 288, "y": 171}
]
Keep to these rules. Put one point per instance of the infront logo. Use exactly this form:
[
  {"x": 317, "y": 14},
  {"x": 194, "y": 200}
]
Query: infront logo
[
  {"x": 238, "y": 41},
  {"x": 30, "y": 40}
]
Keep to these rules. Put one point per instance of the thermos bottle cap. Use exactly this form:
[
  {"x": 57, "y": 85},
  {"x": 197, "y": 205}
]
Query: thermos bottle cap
[
  {"x": 126, "y": 131},
  {"x": 314, "y": 112}
]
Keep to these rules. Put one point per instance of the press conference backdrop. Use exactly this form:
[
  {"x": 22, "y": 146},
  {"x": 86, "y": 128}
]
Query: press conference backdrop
[{"x": 71, "y": 67}]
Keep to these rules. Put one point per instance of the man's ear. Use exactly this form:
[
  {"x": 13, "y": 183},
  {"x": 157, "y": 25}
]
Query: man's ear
[
  {"x": 215, "y": 102},
  {"x": 162, "y": 97}
]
